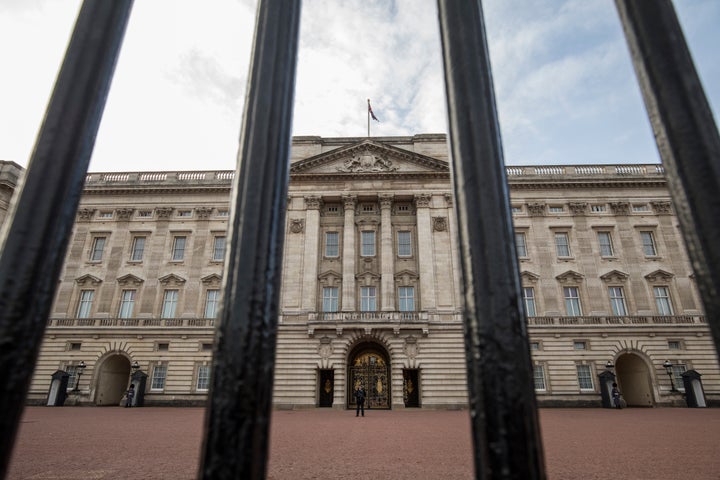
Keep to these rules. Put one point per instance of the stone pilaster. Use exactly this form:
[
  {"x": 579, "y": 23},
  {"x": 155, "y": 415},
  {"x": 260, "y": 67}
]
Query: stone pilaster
[
  {"x": 310, "y": 255},
  {"x": 387, "y": 281},
  {"x": 426, "y": 298},
  {"x": 348, "y": 262}
]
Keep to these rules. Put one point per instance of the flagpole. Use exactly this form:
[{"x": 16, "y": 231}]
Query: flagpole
[{"x": 368, "y": 115}]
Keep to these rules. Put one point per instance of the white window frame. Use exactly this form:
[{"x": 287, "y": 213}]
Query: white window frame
[
  {"x": 663, "y": 301},
  {"x": 585, "y": 377},
  {"x": 617, "y": 301},
  {"x": 573, "y": 307},
  {"x": 85, "y": 303},
  {"x": 404, "y": 239},
  {"x": 406, "y": 299},
  {"x": 138, "y": 248},
  {"x": 170, "y": 303},
  {"x": 332, "y": 244},
  {"x": 212, "y": 301},
  {"x": 202, "y": 383},
  {"x": 71, "y": 370},
  {"x": 539, "y": 378},
  {"x": 606, "y": 244},
  {"x": 677, "y": 370},
  {"x": 159, "y": 377},
  {"x": 521, "y": 244},
  {"x": 98, "y": 247},
  {"x": 368, "y": 299},
  {"x": 219, "y": 244},
  {"x": 179, "y": 246},
  {"x": 367, "y": 243},
  {"x": 330, "y": 299},
  {"x": 648, "y": 243},
  {"x": 528, "y": 294},
  {"x": 127, "y": 303},
  {"x": 562, "y": 244}
]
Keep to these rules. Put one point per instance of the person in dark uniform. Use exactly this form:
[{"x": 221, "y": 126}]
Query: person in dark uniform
[
  {"x": 130, "y": 394},
  {"x": 616, "y": 396},
  {"x": 360, "y": 400}
]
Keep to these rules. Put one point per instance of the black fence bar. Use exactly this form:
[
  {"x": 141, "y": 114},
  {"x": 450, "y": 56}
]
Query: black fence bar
[
  {"x": 686, "y": 136},
  {"x": 500, "y": 384},
  {"x": 43, "y": 213},
  {"x": 237, "y": 421}
]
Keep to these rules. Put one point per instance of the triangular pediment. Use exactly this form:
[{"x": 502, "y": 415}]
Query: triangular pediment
[
  {"x": 87, "y": 280},
  {"x": 369, "y": 157},
  {"x": 570, "y": 276},
  {"x": 171, "y": 280},
  {"x": 213, "y": 279},
  {"x": 659, "y": 276},
  {"x": 529, "y": 277},
  {"x": 130, "y": 280},
  {"x": 615, "y": 276}
]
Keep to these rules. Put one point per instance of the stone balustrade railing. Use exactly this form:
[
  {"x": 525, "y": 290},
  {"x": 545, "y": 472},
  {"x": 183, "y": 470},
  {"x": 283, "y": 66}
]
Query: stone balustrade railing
[
  {"x": 368, "y": 317},
  {"x": 226, "y": 176},
  {"x": 618, "y": 320},
  {"x": 132, "y": 322}
]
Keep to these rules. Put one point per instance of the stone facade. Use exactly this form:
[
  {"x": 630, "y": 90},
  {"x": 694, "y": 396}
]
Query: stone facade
[{"x": 371, "y": 290}]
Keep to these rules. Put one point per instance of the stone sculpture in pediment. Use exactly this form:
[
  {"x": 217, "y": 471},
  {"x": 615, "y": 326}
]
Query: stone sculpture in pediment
[{"x": 369, "y": 157}]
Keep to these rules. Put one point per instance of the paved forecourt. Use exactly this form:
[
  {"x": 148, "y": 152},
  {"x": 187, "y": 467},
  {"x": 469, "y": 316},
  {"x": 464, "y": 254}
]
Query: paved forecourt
[{"x": 164, "y": 443}]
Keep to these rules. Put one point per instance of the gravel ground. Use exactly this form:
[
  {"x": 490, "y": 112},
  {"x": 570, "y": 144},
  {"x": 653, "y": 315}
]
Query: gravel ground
[{"x": 164, "y": 443}]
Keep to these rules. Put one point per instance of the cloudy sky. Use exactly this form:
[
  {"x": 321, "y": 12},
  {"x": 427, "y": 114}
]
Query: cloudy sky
[{"x": 565, "y": 87}]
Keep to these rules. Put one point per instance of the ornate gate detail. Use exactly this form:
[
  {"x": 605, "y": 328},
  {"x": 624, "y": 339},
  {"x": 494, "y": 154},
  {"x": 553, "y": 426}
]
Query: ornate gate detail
[{"x": 370, "y": 369}]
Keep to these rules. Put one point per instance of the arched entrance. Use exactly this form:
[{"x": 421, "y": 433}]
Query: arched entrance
[
  {"x": 369, "y": 365},
  {"x": 113, "y": 378},
  {"x": 633, "y": 378}
]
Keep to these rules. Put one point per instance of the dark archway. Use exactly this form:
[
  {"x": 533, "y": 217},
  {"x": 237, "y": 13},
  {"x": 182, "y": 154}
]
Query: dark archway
[
  {"x": 369, "y": 365},
  {"x": 113, "y": 378},
  {"x": 633, "y": 378}
]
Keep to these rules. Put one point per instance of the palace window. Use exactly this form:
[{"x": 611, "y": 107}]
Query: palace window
[
  {"x": 159, "y": 374},
  {"x": 203, "y": 378},
  {"x": 219, "y": 249},
  {"x": 562, "y": 244},
  {"x": 144, "y": 213},
  {"x": 138, "y": 249},
  {"x": 368, "y": 299},
  {"x": 556, "y": 209},
  {"x": 648, "y": 243},
  {"x": 404, "y": 244},
  {"x": 406, "y": 297},
  {"x": 598, "y": 208},
  {"x": 105, "y": 215},
  {"x": 617, "y": 301},
  {"x": 332, "y": 244},
  {"x": 606, "y": 245},
  {"x": 127, "y": 302},
  {"x": 85, "y": 303},
  {"x": 529, "y": 301},
  {"x": 674, "y": 345},
  {"x": 580, "y": 345},
  {"x": 72, "y": 371},
  {"x": 678, "y": 370},
  {"x": 212, "y": 300},
  {"x": 178, "y": 251},
  {"x": 170, "y": 299},
  {"x": 640, "y": 208},
  {"x": 584, "y": 376},
  {"x": 184, "y": 213},
  {"x": 96, "y": 253},
  {"x": 662, "y": 300},
  {"x": 539, "y": 377},
  {"x": 521, "y": 244},
  {"x": 330, "y": 299},
  {"x": 572, "y": 301},
  {"x": 368, "y": 244}
]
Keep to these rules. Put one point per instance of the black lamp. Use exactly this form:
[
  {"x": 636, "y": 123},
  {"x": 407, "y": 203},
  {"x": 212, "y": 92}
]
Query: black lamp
[
  {"x": 668, "y": 368},
  {"x": 79, "y": 371}
]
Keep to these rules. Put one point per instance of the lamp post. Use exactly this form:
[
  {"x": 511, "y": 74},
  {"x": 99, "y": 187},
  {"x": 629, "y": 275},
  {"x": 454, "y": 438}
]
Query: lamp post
[
  {"x": 79, "y": 371},
  {"x": 135, "y": 366},
  {"x": 668, "y": 368},
  {"x": 609, "y": 365}
]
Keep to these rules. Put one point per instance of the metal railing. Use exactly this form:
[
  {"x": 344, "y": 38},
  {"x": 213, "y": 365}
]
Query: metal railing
[{"x": 506, "y": 441}]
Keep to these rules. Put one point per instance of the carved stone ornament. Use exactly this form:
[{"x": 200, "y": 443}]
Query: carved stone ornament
[
  {"x": 124, "y": 213},
  {"x": 312, "y": 202},
  {"x": 171, "y": 280},
  {"x": 325, "y": 349},
  {"x": 164, "y": 212},
  {"x": 659, "y": 276},
  {"x": 662, "y": 208},
  {"x": 367, "y": 162},
  {"x": 411, "y": 347},
  {"x": 203, "y": 212},
  {"x": 297, "y": 225},
  {"x": 536, "y": 209},
  {"x": 85, "y": 214},
  {"x": 422, "y": 200},
  {"x": 349, "y": 202},
  {"x": 578, "y": 208},
  {"x": 449, "y": 200},
  {"x": 620, "y": 208},
  {"x": 386, "y": 200},
  {"x": 130, "y": 280},
  {"x": 439, "y": 224},
  {"x": 615, "y": 276},
  {"x": 570, "y": 277}
]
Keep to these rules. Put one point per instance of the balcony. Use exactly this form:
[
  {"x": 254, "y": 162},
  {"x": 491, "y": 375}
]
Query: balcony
[
  {"x": 615, "y": 320},
  {"x": 131, "y": 322}
]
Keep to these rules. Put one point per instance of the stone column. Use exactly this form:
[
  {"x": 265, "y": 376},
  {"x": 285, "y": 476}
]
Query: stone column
[
  {"x": 426, "y": 259},
  {"x": 387, "y": 281},
  {"x": 310, "y": 255},
  {"x": 348, "y": 263}
]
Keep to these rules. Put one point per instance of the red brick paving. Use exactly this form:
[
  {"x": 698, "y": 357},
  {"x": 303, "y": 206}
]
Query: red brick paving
[{"x": 164, "y": 443}]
